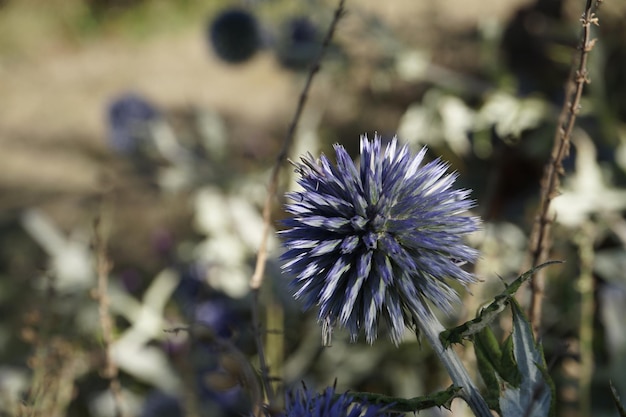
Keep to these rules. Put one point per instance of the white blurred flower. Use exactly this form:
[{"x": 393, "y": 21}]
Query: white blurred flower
[
  {"x": 511, "y": 115},
  {"x": 71, "y": 261},
  {"x": 233, "y": 227},
  {"x": 131, "y": 351},
  {"x": 586, "y": 192}
]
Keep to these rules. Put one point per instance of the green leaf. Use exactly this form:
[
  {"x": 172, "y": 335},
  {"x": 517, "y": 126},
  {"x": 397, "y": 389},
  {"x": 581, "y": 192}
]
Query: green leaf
[
  {"x": 488, "y": 358},
  {"x": 535, "y": 393},
  {"x": 472, "y": 327},
  {"x": 508, "y": 365},
  {"x": 408, "y": 405},
  {"x": 620, "y": 407},
  {"x": 489, "y": 313}
]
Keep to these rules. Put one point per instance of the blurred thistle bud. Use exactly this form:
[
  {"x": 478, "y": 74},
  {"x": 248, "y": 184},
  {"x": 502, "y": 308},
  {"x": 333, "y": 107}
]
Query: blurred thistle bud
[
  {"x": 128, "y": 119},
  {"x": 299, "y": 44},
  {"x": 218, "y": 315},
  {"x": 160, "y": 404},
  {"x": 234, "y": 35}
]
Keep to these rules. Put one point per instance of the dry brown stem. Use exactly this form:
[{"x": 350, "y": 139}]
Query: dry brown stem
[
  {"x": 103, "y": 268},
  {"x": 540, "y": 236},
  {"x": 259, "y": 271}
]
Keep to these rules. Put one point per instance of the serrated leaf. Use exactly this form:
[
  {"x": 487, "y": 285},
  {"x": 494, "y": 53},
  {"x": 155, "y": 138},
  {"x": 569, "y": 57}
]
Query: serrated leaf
[
  {"x": 489, "y": 313},
  {"x": 533, "y": 396},
  {"x": 472, "y": 327},
  {"x": 407, "y": 405}
]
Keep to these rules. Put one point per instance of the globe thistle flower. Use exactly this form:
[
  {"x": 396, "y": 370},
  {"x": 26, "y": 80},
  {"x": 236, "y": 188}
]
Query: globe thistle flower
[
  {"x": 379, "y": 241},
  {"x": 304, "y": 403}
]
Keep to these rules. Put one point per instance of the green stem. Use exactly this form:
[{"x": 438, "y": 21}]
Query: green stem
[
  {"x": 587, "y": 305},
  {"x": 431, "y": 328}
]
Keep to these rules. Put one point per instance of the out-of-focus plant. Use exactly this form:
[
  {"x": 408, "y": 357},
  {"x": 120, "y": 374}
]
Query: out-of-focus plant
[
  {"x": 234, "y": 35},
  {"x": 299, "y": 43}
]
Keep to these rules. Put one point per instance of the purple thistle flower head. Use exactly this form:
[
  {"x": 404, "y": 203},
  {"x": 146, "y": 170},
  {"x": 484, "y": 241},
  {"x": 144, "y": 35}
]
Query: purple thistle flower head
[
  {"x": 377, "y": 242},
  {"x": 304, "y": 403}
]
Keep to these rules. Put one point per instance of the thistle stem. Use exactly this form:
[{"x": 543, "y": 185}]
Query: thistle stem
[{"x": 431, "y": 328}]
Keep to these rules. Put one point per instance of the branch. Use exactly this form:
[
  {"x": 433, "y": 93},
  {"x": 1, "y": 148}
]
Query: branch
[
  {"x": 103, "y": 267},
  {"x": 550, "y": 182},
  {"x": 259, "y": 271},
  {"x": 257, "y": 277}
]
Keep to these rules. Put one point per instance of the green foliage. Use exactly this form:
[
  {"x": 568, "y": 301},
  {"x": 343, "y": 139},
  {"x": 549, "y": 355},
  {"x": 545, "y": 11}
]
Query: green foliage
[
  {"x": 514, "y": 372},
  {"x": 535, "y": 394},
  {"x": 466, "y": 330},
  {"x": 407, "y": 405},
  {"x": 495, "y": 364},
  {"x": 508, "y": 367}
]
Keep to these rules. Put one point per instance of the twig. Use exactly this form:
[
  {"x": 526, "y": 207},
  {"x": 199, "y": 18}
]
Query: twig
[
  {"x": 550, "y": 182},
  {"x": 257, "y": 277},
  {"x": 103, "y": 267},
  {"x": 259, "y": 271}
]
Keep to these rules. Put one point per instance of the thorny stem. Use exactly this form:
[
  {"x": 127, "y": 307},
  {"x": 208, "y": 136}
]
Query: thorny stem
[
  {"x": 259, "y": 270},
  {"x": 103, "y": 267},
  {"x": 431, "y": 327},
  {"x": 550, "y": 182}
]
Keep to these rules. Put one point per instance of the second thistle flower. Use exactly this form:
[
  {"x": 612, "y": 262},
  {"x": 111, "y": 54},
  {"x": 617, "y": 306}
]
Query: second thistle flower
[
  {"x": 302, "y": 403},
  {"x": 376, "y": 242}
]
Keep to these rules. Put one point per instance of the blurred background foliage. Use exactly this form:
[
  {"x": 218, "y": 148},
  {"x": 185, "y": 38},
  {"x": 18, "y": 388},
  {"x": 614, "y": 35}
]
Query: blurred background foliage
[{"x": 163, "y": 119}]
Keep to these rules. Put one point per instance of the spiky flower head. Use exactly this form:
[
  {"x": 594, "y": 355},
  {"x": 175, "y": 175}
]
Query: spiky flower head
[
  {"x": 305, "y": 403},
  {"x": 377, "y": 242}
]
